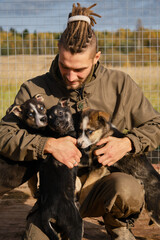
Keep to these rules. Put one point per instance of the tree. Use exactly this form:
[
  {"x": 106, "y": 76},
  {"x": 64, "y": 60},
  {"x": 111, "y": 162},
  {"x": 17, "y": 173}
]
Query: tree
[
  {"x": 13, "y": 31},
  {"x": 25, "y": 33}
]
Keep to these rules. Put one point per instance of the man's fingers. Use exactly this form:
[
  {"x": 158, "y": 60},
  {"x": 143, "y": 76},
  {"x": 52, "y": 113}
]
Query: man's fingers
[
  {"x": 64, "y": 150},
  {"x": 78, "y": 155},
  {"x": 102, "y": 159},
  {"x": 102, "y": 141},
  {"x": 100, "y": 151},
  {"x": 73, "y": 163},
  {"x": 107, "y": 162},
  {"x": 75, "y": 160},
  {"x": 70, "y": 165},
  {"x": 74, "y": 141}
]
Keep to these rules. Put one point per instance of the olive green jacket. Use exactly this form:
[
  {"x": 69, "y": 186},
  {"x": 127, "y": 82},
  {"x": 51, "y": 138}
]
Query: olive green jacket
[{"x": 109, "y": 90}]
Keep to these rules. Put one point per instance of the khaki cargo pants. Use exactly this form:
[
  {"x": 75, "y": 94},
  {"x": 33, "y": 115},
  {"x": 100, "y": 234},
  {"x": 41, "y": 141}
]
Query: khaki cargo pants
[{"x": 116, "y": 197}]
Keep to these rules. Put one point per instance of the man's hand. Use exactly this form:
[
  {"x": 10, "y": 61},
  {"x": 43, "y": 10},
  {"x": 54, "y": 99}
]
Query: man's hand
[
  {"x": 64, "y": 150},
  {"x": 114, "y": 149}
]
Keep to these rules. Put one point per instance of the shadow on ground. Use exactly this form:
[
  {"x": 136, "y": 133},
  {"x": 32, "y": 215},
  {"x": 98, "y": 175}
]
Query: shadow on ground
[{"x": 15, "y": 205}]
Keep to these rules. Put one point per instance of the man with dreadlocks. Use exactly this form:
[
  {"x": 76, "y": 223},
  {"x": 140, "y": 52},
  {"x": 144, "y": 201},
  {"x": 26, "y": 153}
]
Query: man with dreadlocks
[{"x": 77, "y": 74}]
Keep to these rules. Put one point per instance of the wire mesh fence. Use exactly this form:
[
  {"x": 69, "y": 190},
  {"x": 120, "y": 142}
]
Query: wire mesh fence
[{"x": 128, "y": 36}]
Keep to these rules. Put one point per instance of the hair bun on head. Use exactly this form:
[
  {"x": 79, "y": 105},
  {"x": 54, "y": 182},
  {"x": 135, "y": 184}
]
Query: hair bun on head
[
  {"x": 79, "y": 18},
  {"x": 79, "y": 33}
]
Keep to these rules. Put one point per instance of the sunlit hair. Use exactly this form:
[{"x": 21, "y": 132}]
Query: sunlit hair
[{"x": 79, "y": 35}]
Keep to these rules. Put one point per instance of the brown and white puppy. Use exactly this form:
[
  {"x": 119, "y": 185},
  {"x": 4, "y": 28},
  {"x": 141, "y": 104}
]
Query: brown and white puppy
[
  {"x": 95, "y": 125},
  {"x": 31, "y": 113}
]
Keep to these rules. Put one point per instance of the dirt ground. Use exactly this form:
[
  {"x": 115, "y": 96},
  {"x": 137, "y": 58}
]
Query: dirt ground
[{"x": 15, "y": 205}]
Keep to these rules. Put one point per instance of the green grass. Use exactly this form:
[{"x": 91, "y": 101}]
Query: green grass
[
  {"x": 8, "y": 93},
  {"x": 17, "y": 69}
]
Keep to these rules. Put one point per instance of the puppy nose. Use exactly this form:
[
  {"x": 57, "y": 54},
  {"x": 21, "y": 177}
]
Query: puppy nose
[
  {"x": 43, "y": 119},
  {"x": 79, "y": 144}
]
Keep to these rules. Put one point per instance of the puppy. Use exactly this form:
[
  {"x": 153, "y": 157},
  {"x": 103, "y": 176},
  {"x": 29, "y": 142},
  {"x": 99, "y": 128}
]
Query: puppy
[
  {"x": 33, "y": 114},
  {"x": 96, "y": 125},
  {"x": 59, "y": 213}
]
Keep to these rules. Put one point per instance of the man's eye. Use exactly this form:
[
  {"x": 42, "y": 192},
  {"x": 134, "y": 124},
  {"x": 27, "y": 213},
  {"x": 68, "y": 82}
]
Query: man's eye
[
  {"x": 64, "y": 67},
  {"x": 78, "y": 70}
]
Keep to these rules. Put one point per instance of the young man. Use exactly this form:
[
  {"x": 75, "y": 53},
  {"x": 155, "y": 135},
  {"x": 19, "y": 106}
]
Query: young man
[{"x": 77, "y": 74}]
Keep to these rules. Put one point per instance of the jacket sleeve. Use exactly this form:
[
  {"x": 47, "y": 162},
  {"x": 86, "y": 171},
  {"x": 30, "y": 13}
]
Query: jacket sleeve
[
  {"x": 142, "y": 120},
  {"x": 16, "y": 143}
]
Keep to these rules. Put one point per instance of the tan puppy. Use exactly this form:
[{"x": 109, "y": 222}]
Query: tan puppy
[{"x": 96, "y": 125}]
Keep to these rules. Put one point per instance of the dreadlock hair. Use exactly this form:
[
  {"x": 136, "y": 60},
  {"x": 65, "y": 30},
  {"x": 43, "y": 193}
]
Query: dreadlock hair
[{"x": 79, "y": 35}]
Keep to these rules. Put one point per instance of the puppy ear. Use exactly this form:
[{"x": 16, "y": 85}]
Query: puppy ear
[
  {"x": 103, "y": 117},
  {"x": 39, "y": 97},
  {"x": 17, "y": 110},
  {"x": 63, "y": 102}
]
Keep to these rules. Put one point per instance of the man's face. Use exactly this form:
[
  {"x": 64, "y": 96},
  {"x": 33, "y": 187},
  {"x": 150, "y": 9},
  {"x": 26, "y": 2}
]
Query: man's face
[{"x": 75, "y": 68}]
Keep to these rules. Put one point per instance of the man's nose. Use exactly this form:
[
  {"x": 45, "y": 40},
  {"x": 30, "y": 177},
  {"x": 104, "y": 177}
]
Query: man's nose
[{"x": 71, "y": 75}]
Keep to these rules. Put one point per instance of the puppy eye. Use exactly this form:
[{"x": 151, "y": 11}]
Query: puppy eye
[
  {"x": 89, "y": 132},
  {"x": 41, "y": 108},
  {"x": 30, "y": 114}
]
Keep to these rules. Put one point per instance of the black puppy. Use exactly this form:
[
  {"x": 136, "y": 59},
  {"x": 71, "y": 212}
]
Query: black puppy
[
  {"x": 59, "y": 213},
  {"x": 32, "y": 113},
  {"x": 96, "y": 125}
]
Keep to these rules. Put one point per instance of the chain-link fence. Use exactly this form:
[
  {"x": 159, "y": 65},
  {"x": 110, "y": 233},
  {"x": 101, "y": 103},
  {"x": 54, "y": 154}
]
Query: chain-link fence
[{"x": 128, "y": 36}]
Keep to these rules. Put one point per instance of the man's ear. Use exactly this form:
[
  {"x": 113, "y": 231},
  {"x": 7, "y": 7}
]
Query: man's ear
[
  {"x": 97, "y": 57},
  {"x": 39, "y": 97},
  {"x": 17, "y": 111}
]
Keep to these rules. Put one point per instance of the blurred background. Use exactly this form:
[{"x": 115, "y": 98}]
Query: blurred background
[{"x": 128, "y": 37}]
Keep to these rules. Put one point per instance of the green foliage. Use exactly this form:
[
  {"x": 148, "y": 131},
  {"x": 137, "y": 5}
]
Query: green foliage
[{"x": 14, "y": 43}]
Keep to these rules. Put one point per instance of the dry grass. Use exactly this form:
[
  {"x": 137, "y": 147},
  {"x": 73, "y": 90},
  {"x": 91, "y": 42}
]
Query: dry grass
[
  {"x": 148, "y": 78},
  {"x": 23, "y": 67},
  {"x": 17, "y": 69}
]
